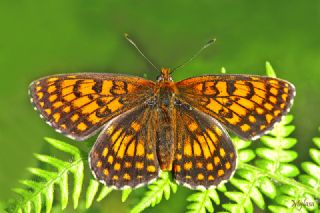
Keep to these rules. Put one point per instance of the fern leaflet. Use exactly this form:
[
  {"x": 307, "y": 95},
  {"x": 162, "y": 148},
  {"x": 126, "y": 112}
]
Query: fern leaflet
[{"x": 156, "y": 190}]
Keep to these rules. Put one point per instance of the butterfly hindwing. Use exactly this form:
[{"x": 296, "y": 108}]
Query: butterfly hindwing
[
  {"x": 204, "y": 153},
  {"x": 79, "y": 104},
  {"x": 124, "y": 154},
  {"x": 247, "y": 105}
]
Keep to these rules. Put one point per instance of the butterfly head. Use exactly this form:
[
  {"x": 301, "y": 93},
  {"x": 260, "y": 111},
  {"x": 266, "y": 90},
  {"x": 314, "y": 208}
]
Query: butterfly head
[{"x": 165, "y": 75}]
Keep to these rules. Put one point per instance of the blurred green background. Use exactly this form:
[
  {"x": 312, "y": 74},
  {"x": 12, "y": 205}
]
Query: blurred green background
[{"x": 38, "y": 38}]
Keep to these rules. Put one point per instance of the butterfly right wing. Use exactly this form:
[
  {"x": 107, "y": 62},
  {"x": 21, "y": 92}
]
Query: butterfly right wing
[{"x": 78, "y": 105}]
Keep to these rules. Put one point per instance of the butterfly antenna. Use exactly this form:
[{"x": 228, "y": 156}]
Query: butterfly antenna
[
  {"x": 209, "y": 43},
  {"x": 141, "y": 53}
]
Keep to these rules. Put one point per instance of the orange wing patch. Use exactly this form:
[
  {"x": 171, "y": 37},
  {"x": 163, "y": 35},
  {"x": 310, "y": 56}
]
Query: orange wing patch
[
  {"x": 78, "y": 105},
  {"x": 247, "y": 105}
]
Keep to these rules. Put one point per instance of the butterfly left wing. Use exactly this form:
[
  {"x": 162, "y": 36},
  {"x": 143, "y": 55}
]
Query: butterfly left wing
[
  {"x": 124, "y": 154},
  {"x": 204, "y": 153},
  {"x": 248, "y": 105},
  {"x": 78, "y": 105}
]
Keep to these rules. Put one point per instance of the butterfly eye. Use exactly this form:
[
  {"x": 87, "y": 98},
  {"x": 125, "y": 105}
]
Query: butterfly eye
[
  {"x": 164, "y": 78},
  {"x": 159, "y": 78}
]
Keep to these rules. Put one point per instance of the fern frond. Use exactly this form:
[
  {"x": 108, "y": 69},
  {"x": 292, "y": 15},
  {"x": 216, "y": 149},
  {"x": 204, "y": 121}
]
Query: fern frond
[
  {"x": 275, "y": 156},
  {"x": 250, "y": 183},
  {"x": 290, "y": 192},
  {"x": 296, "y": 197},
  {"x": 312, "y": 178},
  {"x": 243, "y": 199},
  {"x": 292, "y": 198},
  {"x": 156, "y": 191},
  {"x": 31, "y": 198},
  {"x": 43, "y": 187},
  {"x": 201, "y": 201}
]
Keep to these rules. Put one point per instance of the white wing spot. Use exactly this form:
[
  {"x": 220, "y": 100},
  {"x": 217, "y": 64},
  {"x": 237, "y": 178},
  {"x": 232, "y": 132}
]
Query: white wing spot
[
  {"x": 50, "y": 124},
  {"x": 58, "y": 130}
]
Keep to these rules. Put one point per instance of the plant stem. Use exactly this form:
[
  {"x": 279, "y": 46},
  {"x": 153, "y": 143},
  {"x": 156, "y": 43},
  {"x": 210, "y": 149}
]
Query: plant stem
[{"x": 281, "y": 179}]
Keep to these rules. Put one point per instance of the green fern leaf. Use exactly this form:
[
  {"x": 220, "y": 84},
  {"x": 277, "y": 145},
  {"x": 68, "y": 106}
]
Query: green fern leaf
[
  {"x": 103, "y": 193},
  {"x": 91, "y": 192},
  {"x": 47, "y": 175},
  {"x": 243, "y": 203},
  {"x": 290, "y": 194},
  {"x": 293, "y": 198},
  {"x": 298, "y": 198},
  {"x": 267, "y": 187},
  {"x": 201, "y": 201},
  {"x": 76, "y": 170},
  {"x": 312, "y": 169},
  {"x": 270, "y": 71},
  {"x": 156, "y": 191},
  {"x": 125, "y": 194},
  {"x": 223, "y": 70},
  {"x": 244, "y": 154},
  {"x": 276, "y": 157},
  {"x": 252, "y": 186}
]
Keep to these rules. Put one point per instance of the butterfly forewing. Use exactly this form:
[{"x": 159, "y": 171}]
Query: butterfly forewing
[
  {"x": 204, "y": 153},
  {"x": 79, "y": 104},
  {"x": 125, "y": 152},
  {"x": 247, "y": 105}
]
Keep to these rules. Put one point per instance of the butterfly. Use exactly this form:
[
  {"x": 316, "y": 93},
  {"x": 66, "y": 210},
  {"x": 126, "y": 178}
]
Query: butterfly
[{"x": 151, "y": 126}]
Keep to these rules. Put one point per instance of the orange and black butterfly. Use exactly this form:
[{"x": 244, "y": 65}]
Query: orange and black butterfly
[{"x": 148, "y": 126}]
